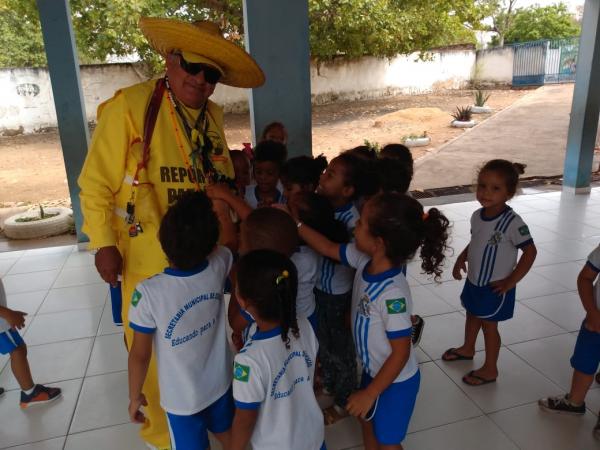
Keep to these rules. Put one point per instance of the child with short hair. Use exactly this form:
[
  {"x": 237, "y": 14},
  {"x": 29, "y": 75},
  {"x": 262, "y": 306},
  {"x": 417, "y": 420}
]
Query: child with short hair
[
  {"x": 273, "y": 374},
  {"x": 301, "y": 174},
  {"x": 269, "y": 157},
  {"x": 391, "y": 228},
  {"x": 497, "y": 235},
  {"x": 586, "y": 355},
  {"x": 275, "y": 131},
  {"x": 11, "y": 343},
  {"x": 181, "y": 313}
]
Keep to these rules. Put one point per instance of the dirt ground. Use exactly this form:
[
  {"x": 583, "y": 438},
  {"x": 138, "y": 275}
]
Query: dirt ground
[{"x": 32, "y": 168}]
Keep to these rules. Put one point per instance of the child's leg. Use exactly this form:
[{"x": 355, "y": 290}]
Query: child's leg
[
  {"x": 20, "y": 367},
  {"x": 489, "y": 370},
  {"x": 580, "y": 384},
  {"x": 472, "y": 327},
  {"x": 369, "y": 439}
]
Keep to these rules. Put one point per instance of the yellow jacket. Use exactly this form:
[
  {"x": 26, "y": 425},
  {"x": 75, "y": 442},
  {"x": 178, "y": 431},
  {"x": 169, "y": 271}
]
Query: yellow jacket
[{"x": 114, "y": 153}]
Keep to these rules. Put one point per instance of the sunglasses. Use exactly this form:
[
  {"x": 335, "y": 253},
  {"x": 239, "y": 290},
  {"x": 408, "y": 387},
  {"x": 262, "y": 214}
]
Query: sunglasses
[{"x": 211, "y": 75}]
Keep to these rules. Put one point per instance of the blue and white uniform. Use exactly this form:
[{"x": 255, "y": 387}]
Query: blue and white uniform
[
  {"x": 381, "y": 310},
  {"x": 253, "y": 199},
  {"x": 278, "y": 382},
  {"x": 492, "y": 256},
  {"x": 586, "y": 356},
  {"x": 335, "y": 278},
  {"x": 185, "y": 311},
  {"x": 10, "y": 338},
  {"x": 306, "y": 261}
]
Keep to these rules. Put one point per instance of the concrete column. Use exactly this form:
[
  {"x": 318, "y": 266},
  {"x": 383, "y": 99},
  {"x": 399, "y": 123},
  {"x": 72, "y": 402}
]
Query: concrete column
[
  {"x": 63, "y": 66},
  {"x": 277, "y": 37},
  {"x": 586, "y": 104}
]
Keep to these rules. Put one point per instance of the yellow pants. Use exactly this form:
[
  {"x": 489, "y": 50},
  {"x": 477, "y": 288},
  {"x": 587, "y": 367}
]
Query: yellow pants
[{"x": 155, "y": 431}]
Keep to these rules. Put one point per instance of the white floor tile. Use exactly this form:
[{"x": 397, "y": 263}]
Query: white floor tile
[
  {"x": 28, "y": 302},
  {"x": 573, "y": 249},
  {"x": 527, "y": 325},
  {"x": 75, "y": 297},
  {"x": 51, "y": 444},
  {"x": 37, "y": 423},
  {"x": 564, "y": 274},
  {"x": 79, "y": 259},
  {"x": 426, "y": 303},
  {"x": 449, "y": 291},
  {"x": 108, "y": 355},
  {"x": 534, "y": 285},
  {"x": 12, "y": 255},
  {"x": 52, "y": 363},
  {"x": 27, "y": 282},
  {"x": 107, "y": 325},
  {"x": 421, "y": 355},
  {"x": 103, "y": 402},
  {"x": 6, "y": 264},
  {"x": 468, "y": 434},
  {"x": 38, "y": 263},
  {"x": 451, "y": 404},
  {"x": 541, "y": 234},
  {"x": 517, "y": 383},
  {"x": 442, "y": 332},
  {"x": 533, "y": 429},
  {"x": 63, "y": 326},
  {"x": 592, "y": 399},
  {"x": 49, "y": 250},
  {"x": 461, "y": 228},
  {"x": 344, "y": 434},
  {"x": 77, "y": 276},
  {"x": 550, "y": 356},
  {"x": 564, "y": 309},
  {"x": 124, "y": 436}
]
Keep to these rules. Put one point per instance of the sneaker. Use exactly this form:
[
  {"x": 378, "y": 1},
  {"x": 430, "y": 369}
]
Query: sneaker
[
  {"x": 41, "y": 394},
  {"x": 561, "y": 404},
  {"x": 417, "y": 330}
]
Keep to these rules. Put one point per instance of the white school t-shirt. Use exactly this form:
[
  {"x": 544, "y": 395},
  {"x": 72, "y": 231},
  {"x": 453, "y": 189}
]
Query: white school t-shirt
[
  {"x": 593, "y": 262},
  {"x": 381, "y": 309},
  {"x": 251, "y": 195},
  {"x": 278, "y": 382},
  {"x": 335, "y": 278},
  {"x": 185, "y": 311},
  {"x": 4, "y": 325},
  {"x": 306, "y": 261},
  {"x": 494, "y": 245}
]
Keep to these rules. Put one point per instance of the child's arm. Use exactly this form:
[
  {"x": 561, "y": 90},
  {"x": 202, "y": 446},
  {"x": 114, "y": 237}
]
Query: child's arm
[
  {"x": 461, "y": 264},
  {"x": 139, "y": 359},
  {"x": 16, "y": 319},
  {"x": 242, "y": 428},
  {"x": 318, "y": 242},
  {"x": 222, "y": 192},
  {"x": 585, "y": 286},
  {"x": 228, "y": 233},
  {"x": 361, "y": 401},
  {"x": 521, "y": 269}
]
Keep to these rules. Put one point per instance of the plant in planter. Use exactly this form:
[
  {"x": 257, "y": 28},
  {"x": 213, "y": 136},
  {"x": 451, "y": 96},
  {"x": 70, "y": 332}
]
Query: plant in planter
[
  {"x": 463, "y": 117},
  {"x": 36, "y": 224},
  {"x": 416, "y": 140},
  {"x": 481, "y": 99}
]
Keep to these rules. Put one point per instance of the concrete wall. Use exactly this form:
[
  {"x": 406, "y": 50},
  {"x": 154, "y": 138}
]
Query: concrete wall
[
  {"x": 494, "y": 66},
  {"x": 27, "y": 104}
]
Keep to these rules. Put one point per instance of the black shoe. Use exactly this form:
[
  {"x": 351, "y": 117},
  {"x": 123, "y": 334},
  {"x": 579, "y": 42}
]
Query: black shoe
[
  {"x": 417, "y": 330},
  {"x": 1, "y": 392},
  {"x": 561, "y": 404}
]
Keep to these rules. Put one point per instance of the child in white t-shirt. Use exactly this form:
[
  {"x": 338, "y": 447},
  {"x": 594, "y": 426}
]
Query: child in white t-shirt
[
  {"x": 273, "y": 374},
  {"x": 181, "y": 313},
  {"x": 391, "y": 228}
]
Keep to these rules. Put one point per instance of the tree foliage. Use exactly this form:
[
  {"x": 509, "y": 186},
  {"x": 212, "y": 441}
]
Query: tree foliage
[
  {"x": 350, "y": 28},
  {"x": 548, "y": 22}
]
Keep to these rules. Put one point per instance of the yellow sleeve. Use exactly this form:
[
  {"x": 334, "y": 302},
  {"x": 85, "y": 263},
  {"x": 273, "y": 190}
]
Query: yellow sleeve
[{"x": 104, "y": 169}]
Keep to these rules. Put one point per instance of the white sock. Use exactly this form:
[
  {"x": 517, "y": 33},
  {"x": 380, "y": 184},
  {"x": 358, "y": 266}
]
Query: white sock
[{"x": 30, "y": 391}]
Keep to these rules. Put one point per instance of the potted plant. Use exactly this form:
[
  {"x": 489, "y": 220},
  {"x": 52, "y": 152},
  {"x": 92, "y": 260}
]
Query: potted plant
[
  {"x": 416, "y": 140},
  {"x": 481, "y": 99},
  {"x": 463, "y": 117},
  {"x": 39, "y": 223}
]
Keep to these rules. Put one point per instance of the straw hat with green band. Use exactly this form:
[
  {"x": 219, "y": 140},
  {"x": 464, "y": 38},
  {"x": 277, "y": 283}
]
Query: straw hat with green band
[{"x": 204, "y": 40}]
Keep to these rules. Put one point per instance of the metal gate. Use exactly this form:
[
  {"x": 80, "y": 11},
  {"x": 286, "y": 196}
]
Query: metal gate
[{"x": 546, "y": 61}]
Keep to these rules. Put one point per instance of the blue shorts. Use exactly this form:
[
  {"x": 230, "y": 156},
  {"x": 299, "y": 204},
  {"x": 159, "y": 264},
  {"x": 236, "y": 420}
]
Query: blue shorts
[
  {"x": 586, "y": 355},
  {"x": 313, "y": 320},
  {"x": 393, "y": 409},
  {"x": 190, "y": 432},
  {"x": 9, "y": 341},
  {"x": 484, "y": 303}
]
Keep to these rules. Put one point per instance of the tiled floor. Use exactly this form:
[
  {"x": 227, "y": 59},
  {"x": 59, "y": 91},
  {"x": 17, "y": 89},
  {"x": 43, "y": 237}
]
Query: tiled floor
[{"x": 73, "y": 344}]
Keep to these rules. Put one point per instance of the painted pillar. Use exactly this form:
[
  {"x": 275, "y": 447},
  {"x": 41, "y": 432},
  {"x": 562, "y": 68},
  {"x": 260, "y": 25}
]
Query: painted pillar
[
  {"x": 277, "y": 37},
  {"x": 586, "y": 103},
  {"x": 63, "y": 66}
]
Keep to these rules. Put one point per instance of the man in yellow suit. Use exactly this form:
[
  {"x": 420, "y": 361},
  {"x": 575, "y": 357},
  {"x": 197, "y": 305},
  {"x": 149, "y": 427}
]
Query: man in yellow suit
[{"x": 154, "y": 141}]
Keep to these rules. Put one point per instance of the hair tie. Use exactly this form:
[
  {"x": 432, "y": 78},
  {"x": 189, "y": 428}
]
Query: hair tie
[
  {"x": 285, "y": 274},
  {"x": 425, "y": 216}
]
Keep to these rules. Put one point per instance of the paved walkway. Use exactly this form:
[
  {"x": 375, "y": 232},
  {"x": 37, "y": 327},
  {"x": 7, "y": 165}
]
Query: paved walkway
[{"x": 532, "y": 131}]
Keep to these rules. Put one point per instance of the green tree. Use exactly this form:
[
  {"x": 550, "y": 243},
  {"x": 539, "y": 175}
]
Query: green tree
[
  {"x": 502, "y": 14},
  {"x": 548, "y": 22}
]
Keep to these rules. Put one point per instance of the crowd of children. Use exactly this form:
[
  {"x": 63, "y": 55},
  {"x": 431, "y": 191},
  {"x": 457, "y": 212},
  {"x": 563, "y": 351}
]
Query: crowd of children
[{"x": 314, "y": 256}]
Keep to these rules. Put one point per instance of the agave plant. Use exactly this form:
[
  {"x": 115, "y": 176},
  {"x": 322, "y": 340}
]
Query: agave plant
[
  {"x": 463, "y": 114},
  {"x": 481, "y": 98}
]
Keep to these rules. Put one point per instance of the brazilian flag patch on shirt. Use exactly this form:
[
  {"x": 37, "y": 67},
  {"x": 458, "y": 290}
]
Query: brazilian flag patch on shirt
[
  {"x": 135, "y": 298},
  {"x": 396, "y": 306},
  {"x": 524, "y": 230},
  {"x": 241, "y": 372}
]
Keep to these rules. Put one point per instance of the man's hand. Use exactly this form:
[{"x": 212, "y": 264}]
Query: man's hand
[
  {"x": 109, "y": 264},
  {"x": 16, "y": 319}
]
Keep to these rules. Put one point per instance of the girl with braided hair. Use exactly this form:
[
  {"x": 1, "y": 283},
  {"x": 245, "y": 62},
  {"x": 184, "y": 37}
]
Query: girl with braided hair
[{"x": 273, "y": 373}]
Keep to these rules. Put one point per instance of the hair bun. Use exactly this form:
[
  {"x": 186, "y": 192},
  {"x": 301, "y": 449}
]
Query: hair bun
[{"x": 520, "y": 167}]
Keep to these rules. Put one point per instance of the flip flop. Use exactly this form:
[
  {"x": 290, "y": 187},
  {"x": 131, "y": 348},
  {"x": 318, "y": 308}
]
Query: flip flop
[
  {"x": 471, "y": 374},
  {"x": 456, "y": 356}
]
